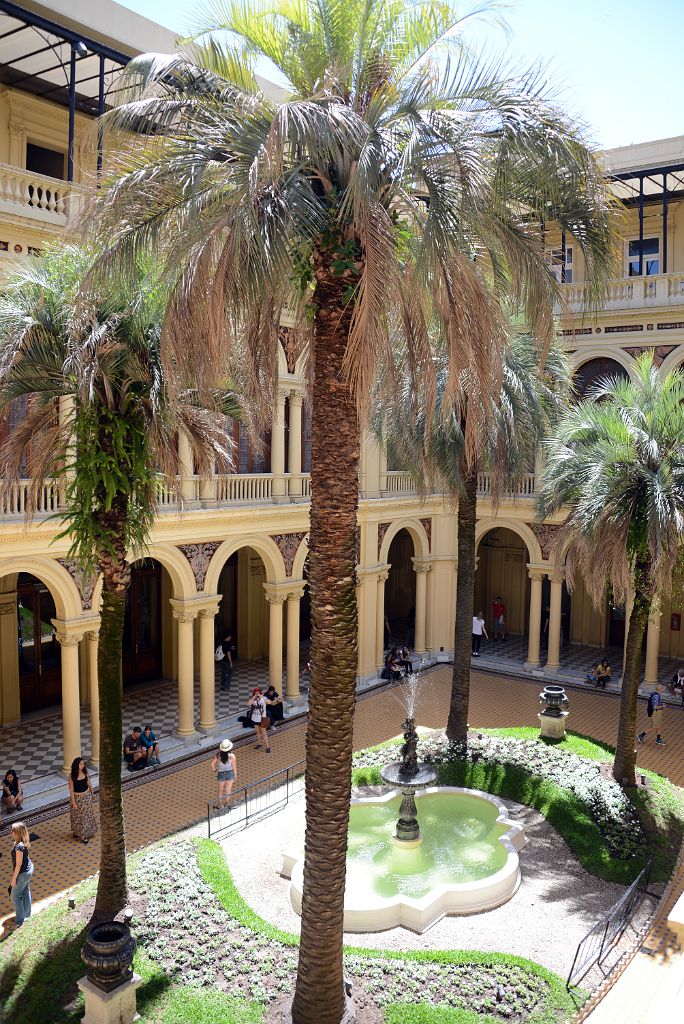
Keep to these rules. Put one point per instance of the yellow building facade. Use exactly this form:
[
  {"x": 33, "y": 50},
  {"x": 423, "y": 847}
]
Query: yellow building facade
[{"x": 231, "y": 553}]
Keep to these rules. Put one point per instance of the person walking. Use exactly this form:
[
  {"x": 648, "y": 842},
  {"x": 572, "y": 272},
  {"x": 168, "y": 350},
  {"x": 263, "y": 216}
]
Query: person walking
[
  {"x": 22, "y": 870},
  {"x": 227, "y": 661},
  {"x": 499, "y": 613},
  {"x": 12, "y": 793},
  {"x": 654, "y": 710},
  {"x": 479, "y": 630},
  {"x": 258, "y": 715},
  {"x": 83, "y": 824},
  {"x": 225, "y": 766}
]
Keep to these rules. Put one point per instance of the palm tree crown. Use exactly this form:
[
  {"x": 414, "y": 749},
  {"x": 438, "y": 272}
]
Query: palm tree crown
[{"x": 616, "y": 462}]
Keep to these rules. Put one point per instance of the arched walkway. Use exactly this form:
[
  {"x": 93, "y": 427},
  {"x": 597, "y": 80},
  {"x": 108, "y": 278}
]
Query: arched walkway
[
  {"x": 588, "y": 373},
  {"x": 501, "y": 577},
  {"x": 404, "y": 553}
]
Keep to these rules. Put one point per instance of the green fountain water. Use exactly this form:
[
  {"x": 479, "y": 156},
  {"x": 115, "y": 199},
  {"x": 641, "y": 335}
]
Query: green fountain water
[{"x": 460, "y": 843}]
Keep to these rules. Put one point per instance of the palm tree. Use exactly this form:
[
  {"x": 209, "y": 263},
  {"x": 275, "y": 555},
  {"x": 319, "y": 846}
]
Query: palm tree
[
  {"x": 103, "y": 356},
  {"x": 616, "y": 462},
  {"x": 382, "y": 193},
  {"x": 531, "y": 399}
]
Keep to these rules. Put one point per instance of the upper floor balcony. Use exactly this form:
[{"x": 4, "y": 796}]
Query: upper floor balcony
[
  {"x": 49, "y": 201},
  {"x": 629, "y": 293}
]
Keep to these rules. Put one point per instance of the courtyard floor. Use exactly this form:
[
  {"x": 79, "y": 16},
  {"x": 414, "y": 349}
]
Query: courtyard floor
[{"x": 176, "y": 796}]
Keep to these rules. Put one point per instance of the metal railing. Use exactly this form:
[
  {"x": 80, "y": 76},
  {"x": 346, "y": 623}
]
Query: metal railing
[
  {"x": 253, "y": 802},
  {"x": 606, "y": 933}
]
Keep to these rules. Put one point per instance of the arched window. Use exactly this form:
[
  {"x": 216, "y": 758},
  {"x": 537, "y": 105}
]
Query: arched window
[{"x": 588, "y": 375}]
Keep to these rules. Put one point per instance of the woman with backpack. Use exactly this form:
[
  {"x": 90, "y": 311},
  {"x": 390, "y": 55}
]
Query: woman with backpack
[
  {"x": 654, "y": 710},
  {"x": 224, "y": 655},
  {"x": 258, "y": 715},
  {"x": 225, "y": 766}
]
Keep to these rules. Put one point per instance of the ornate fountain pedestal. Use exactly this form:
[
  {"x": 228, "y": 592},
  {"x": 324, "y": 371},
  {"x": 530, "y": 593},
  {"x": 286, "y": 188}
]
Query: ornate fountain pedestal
[{"x": 408, "y": 831}]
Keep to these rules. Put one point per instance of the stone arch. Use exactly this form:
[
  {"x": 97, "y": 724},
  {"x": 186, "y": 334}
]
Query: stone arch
[
  {"x": 55, "y": 577},
  {"x": 515, "y": 526},
  {"x": 614, "y": 355},
  {"x": 263, "y": 545},
  {"x": 416, "y": 530},
  {"x": 175, "y": 563}
]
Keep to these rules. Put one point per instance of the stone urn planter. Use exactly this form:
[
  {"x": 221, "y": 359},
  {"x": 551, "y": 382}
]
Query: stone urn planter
[
  {"x": 552, "y": 719},
  {"x": 108, "y": 954},
  {"x": 110, "y": 984}
]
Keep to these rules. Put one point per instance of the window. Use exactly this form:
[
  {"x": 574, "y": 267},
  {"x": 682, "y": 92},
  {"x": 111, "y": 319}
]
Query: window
[
  {"x": 651, "y": 257},
  {"x": 42, "y": 160},
  {"x": 555, "y": 260}
]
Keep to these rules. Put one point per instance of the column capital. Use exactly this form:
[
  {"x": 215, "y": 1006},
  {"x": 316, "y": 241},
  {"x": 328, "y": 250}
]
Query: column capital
[
  {"x": 556, "y": 575},
  {"x": 536, "y": 575},
  {"x": 8, "y": 604},
  {"x": 296, "y": 594},
  {"x": 68, "y": 639},
  {"x": 383, "y": 575},
  {"x": 183, "y": 611},
  {"x": 296, "y": 398},
  {"x": 276, "y": 593},
  {"x": 421, "y": 565},
  {"x": 70, "y": 632}
]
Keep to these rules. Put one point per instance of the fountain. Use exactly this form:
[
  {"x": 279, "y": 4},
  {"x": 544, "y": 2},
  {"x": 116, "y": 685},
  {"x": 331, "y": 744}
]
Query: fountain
[
  {"x": 410, "y": 776},
  {"x": 464, "y": 860}
]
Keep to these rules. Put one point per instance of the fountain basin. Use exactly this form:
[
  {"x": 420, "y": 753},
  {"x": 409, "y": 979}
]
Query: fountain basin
[{"x": 467, "y": 861}]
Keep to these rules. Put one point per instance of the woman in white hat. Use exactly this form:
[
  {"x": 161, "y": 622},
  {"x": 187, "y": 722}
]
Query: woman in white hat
[{"x": 226, "y": 773}]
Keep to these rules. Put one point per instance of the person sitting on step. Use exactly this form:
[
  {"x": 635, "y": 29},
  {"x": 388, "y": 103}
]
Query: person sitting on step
[
  {"x": 148, "y": 742},
  {"x": 134, "y": 755}
]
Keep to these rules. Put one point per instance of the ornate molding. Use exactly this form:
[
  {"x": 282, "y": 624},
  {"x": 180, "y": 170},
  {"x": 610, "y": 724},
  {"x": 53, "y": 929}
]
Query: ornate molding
[
  {"x": 427, "y": 526},
  {"x": 383, "y": 576},
  {"x": 660, "y": 352},
  {"x": 287, "y": 340},
  {"x": 275, "y": 596},
  {"x": 8, "y": 607},
  {"x": 547, "y": 535},
  {"x": 84, "y": 584},
  {"x": 423, "y": 567},
  {"x": 68, "y": 639},
  {"x": 382, "y": 530},
  {"x": 184, "y": 614},
  {"x": 288, "y": 545},
  {"x": 199, "y": 556}
]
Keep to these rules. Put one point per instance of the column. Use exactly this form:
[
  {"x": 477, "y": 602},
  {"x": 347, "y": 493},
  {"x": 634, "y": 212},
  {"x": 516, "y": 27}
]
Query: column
[
  {"x": 382, "y": 470},
  {"x": 383, "y": 576},
  {"x": 207, "y": 668},
  {"x": 292, "y": 671},
  {"x": 294, "y": 444},
  {"x": 93, "y": 641},
  {"x": 207, "y": 487},
  {"x": 71, "y": 708},
  {"x": 185, "y": 467},
  {"x": 275, "y": 600},
  {"x": 186, "y": 712},
  {"x": 653, "y": 644},
  {"x": 278, "y": 448},
  {"x": 556, "y": 576},
  {"x": 533, "y": 656},
  {"x": 421, "y": 570}
]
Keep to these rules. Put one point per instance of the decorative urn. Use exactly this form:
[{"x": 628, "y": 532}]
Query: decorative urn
[
  {"x": 108, "y": 954},
  {"x": 555, "y": 699}
]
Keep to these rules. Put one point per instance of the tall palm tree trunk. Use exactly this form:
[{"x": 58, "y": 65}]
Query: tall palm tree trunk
[
  {"x": 625, "y": 760},
  {"x": 457, "y": 724},
  {"x": 335, "y": 444},
  {"x": 112, "y": 890}
]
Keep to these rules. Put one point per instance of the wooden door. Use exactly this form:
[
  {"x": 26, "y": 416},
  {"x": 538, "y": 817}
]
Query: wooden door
[
  {"x": 142, "y": 647},
  {"x": 40, "y": 675}
]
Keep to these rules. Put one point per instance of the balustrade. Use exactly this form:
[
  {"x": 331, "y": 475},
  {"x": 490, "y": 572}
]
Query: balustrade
[
  {"x": 629, "y": 292},
  {"x": 399, "y": 482},
  {"x": 37, "y": 196},
  {"x": 524, "y": 488}
]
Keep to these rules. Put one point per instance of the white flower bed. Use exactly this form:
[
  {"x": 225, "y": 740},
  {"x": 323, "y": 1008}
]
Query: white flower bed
[{"x": 604, "y": 798}]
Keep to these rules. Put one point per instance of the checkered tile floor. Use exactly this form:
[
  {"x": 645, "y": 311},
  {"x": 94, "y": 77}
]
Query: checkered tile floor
[{"x": 34, "y": 748}]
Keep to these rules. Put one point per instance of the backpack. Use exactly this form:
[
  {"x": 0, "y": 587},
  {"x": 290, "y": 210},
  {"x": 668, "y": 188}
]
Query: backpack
[
  {"x": 218, "y": 653},
  {"x": 651, "y": 705}
]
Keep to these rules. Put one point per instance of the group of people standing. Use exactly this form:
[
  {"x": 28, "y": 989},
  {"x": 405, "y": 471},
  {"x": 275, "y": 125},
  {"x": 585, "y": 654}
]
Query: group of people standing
[{"x": 480, "y": 628}]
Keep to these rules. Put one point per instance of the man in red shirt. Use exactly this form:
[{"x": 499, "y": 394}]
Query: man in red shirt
[{"x": 499, "y": 613}]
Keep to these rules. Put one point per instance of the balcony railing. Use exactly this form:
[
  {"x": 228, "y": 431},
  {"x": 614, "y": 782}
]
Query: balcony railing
[
  {"x": 523, "y": 489},
  {"x": 37, "y": 196},
  {"x": 399, "y": 482},
  {"x": 15, "y": 501},
  {"x": 632, "y": 292}
]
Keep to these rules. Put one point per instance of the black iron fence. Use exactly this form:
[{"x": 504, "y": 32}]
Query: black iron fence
[
  {"x": 606, "y": 933},
  {"x": 255, "y": 801}
]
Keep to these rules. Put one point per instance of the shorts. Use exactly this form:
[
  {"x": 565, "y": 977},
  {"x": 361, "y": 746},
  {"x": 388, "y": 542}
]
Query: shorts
[
  {"x": 657, "y": 719},
  {"x": 227, "y": 776}
]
